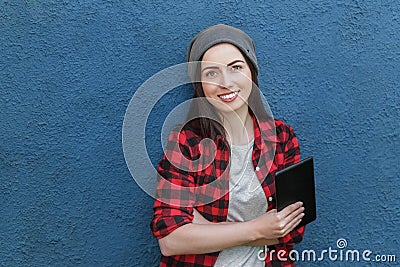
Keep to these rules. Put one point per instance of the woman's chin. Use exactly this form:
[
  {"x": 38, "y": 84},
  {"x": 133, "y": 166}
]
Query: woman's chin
[{"x": 228, "y": 108}]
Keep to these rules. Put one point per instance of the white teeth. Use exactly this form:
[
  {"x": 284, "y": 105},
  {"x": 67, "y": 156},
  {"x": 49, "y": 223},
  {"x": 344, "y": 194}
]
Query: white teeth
[{"x": 231, "y": 95}]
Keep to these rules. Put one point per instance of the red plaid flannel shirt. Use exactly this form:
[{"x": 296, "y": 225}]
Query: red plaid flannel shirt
[{"x": 187, "y": 180}]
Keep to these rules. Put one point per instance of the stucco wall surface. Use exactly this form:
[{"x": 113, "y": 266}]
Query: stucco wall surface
[{"x": 68, "y": 70}]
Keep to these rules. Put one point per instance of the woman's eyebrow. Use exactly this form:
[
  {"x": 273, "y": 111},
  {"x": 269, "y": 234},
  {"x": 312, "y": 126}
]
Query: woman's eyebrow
[
  {"x": 235, "y": 61},
  {"x": 230, "y": 64},
  {"x": 210, "y": 67}
]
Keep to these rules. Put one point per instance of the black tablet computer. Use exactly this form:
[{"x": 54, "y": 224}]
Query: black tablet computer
[{"x": 296, "y": 183}]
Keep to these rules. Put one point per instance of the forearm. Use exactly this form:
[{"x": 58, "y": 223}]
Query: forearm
[
  {"x": 263, "y": 242},
  {"x": 201, "y": 236},
  {"x": 257, "y": 242},
  {"x": 206, "y": 238}
]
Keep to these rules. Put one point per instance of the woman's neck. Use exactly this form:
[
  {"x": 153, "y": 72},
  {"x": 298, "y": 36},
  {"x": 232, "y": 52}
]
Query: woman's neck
[{"x": 238, "y": 126}]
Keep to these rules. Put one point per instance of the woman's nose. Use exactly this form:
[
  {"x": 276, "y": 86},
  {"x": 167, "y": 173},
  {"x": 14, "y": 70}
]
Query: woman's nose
[{"x": 226, "y": 81}]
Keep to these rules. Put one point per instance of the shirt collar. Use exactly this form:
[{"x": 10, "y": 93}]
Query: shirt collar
[
  {"x": 264, "y": 130},
  {"x": 265, "y": 142}
]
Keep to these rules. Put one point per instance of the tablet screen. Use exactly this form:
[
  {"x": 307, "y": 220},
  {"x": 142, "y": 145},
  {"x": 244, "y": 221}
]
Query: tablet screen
[{"x": 296, "y": 183}]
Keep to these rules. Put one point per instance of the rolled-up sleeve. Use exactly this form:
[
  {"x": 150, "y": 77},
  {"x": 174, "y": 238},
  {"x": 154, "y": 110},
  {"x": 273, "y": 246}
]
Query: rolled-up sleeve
[{"x": 173, "y": 206}]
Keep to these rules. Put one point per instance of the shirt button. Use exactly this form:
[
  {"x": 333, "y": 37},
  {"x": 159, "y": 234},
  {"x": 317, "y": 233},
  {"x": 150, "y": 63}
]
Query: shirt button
[
  {"x": 270, "y": 199},
  {"x": 257, "y": 168}
]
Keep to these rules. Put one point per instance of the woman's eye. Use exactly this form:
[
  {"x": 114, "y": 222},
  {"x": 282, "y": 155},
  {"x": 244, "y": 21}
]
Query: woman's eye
[
  {"x": 211, "y": 74},
  {"x": 237, "y": 67}
]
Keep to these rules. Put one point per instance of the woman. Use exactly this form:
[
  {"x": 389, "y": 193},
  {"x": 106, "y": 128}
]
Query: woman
[{"x": 219, "y": 212}]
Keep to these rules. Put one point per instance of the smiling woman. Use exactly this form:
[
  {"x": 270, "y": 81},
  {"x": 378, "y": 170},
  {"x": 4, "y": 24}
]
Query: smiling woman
[
  {"x": 226, "y": 82},
  {"x": 225, "y": 75},
  {"x": 219, "y": 214}
]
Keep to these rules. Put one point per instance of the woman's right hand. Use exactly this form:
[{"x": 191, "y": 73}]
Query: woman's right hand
[{"x": 274, "y": 224}]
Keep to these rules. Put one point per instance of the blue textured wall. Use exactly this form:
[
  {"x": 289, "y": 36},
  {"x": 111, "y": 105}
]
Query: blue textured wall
[{"x": 69, "y": 68}]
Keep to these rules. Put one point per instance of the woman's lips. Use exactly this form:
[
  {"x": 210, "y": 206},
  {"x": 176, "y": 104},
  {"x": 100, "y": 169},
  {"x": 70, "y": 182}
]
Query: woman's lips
[{"x": 229, "y": 97}]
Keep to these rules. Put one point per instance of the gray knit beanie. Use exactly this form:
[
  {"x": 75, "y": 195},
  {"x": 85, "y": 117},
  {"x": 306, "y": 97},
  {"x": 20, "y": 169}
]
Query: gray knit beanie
[{"x": 217, "y": 34}]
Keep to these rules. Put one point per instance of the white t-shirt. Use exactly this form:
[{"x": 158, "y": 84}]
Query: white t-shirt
[{"x": 246, "y": 201}]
